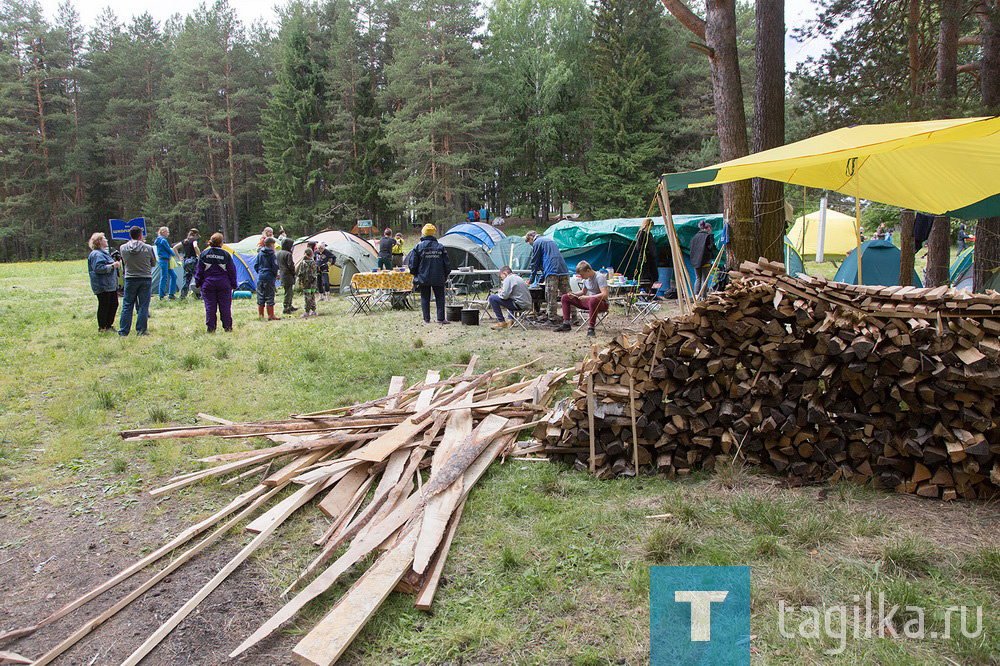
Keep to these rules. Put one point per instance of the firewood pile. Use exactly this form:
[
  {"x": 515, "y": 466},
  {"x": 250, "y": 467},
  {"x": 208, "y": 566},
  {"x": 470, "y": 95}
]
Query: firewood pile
[
  {"x": 807, "y": 377},
  {"x": 389, "y": 476}
]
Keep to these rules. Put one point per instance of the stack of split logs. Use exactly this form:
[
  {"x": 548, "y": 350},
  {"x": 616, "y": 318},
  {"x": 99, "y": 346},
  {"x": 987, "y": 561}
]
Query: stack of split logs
[
  {"x": 814, "y": 379},
  {"x": 388, "y": 476}
]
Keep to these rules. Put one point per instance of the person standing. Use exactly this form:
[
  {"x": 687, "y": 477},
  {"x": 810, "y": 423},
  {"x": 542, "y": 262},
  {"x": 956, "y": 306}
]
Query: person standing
[
  {"x": 266, "y": 233},
  {"x": 963, "y": 237},
  {"x": 645, "y": 249},
  {"x": 513, "y": 296},
  {"x": 139, "y": 260},
  {"x": 286, "y": 271},
  {"x": 266, "y": 266},
  {"x": 592, "y": 297},
  {"x": 103, "y": 271},
  {"x": 324, "y": 258},
  {"x": 703, "y": 253},
  {"x": 215, "y": 276},
  {"x": 397, "y": 252},
  {"x": 472, "y": 215},
  {"x": 190, "y": 252},
  {"x": 306, "y": 273},
  {"x": 430, "y": 266},
  {"x": 385, "y": 245},
  {"x": 484, "y": 214},
  {"x": 164, "y": 253},
  {"x": 548, "y": 264}
]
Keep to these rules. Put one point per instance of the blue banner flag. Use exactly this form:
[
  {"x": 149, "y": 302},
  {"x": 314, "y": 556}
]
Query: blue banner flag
[
  {"x": 120, "y": 228},
  {"x": 700, "y": 616}
]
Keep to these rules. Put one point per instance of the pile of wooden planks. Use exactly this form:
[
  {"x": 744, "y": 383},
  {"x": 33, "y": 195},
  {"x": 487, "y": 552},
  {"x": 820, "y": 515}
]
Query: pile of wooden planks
[
  {"x": 814, "y": 379},
  {"x": 389, "y": 476}
]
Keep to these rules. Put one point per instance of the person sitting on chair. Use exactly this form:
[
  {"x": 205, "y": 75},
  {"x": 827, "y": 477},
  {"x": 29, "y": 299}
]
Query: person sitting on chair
[
  {"x": 593, "y": 298},
  {"x": 513, "y": 295}
]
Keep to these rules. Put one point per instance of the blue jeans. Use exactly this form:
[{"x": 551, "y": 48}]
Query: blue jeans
[
  {"x": 666, "y": 276},
  {"x": 167, "y": 274},
  {"x": 496, "y": 303},
  {"x": 137, "y": 294}
]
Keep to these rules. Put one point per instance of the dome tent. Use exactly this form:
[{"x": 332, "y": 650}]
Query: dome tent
[
  {"x": 482, "y": 233},
  {"x": 331, "y": 236},
  {"x": 511, "y": 251},
  {"x": 841, "y": 235},
  {"x": 879, "y": 265},
  {"x": 793, "y": 262},
  {"x": 351, "y": 258}
]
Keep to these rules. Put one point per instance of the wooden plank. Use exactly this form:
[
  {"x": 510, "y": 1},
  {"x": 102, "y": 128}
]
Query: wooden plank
[
  {"x": 333, "y": 634},
  {"x": 441, "y": 506},
  {"x": 396, "y": 385},
  {"x": 425, "y": 597},
  {"x": 298, "y": 498},
  {"x": 339, "y": 497},
  {"x": 168, "y": 626},
  {"x": 465, "y": 454},
  {"x": 635, "y": 436},
  {"x": 177, "y": 541},
  {"x": 425, "y": 397},
  {"x": 214, "y": 471},
  {"x": 293, "y": 468},
  {"x": 184, "y": 557},
  {"x": 358, "y": 550}
]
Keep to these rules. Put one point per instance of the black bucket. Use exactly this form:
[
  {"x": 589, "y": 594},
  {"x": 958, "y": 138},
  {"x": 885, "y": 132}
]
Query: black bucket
[
  {"x": 470, "y": 317},
  {"x": 454, "y": 312}
]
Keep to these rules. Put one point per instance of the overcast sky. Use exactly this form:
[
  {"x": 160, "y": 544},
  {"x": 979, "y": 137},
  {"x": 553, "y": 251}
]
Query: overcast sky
[{"x": 796, "y": 12}]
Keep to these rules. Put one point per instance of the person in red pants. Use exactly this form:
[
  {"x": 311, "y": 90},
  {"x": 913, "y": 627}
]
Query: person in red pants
[
  {"x": 216, "y": 277},
  {"x": 593, "y": 297}
]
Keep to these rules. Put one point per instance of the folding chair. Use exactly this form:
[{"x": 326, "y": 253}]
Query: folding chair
[
  {"x": 517, "y": 319},
  {"x": 598, "y": 323},
  {"x": 360, "y": 301},
  {"x": 644, "y": 309}
]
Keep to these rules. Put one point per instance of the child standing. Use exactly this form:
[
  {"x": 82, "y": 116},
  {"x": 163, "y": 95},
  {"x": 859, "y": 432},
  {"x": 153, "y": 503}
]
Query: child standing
[
  {"x": 267, "y": 272},
  {"x": 306, "y": 273}
]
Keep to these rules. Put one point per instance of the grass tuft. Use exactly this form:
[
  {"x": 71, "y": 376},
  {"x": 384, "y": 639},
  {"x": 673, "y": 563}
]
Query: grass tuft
[
  {"x": 732, "y": 474},
  {"x": 816, "y": 529},
  {"x": 105, "y": 399},
  {"x": 418, "y": 343},
  {"x": 158, "y": 414},
  {"x": 665, "y": 543},
  {"x": 909, "y": 555},
  {"x": 263, "y": 367},
  {"x": 312, "y": 355},
  {"x": 119, "y": 465},
  {"x": 221, "y": 352},
  {"x": 767, "y": 515},
  {"x": 985, "y": 562},
  {"x": 190, "y": 361}
]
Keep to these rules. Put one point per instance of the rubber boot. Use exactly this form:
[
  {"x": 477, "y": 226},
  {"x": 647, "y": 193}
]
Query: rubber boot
[
  {"x": 260, "y": 312},
  {"x": 270, "y": 314}
]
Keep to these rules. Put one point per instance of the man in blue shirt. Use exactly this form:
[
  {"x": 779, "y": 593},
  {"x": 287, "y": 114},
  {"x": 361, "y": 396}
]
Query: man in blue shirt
[{"x": 547, "y": 263}]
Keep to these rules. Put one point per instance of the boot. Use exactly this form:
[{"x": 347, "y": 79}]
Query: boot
[
  {"x": 260, "y": 312},
  {"x": 270, "y": 314}
]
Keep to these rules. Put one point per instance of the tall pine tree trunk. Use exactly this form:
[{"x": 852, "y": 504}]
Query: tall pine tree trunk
[
  {"x": 906, "y": 218},
  {"x": 947, "y": 51},
  {"x": 769, "y": 124},
  {"x": 913, "y": 48},
  {"x": 718, "y": 29},
  {"x": 987, "y": 255},
  {"x": 938, "y": 252}
]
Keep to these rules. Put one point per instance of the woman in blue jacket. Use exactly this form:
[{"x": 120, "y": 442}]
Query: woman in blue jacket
[
  {"x": 103, "y": 281},
  {"x": 430, "y": 266},
  {"x": 163, "y": 255}
]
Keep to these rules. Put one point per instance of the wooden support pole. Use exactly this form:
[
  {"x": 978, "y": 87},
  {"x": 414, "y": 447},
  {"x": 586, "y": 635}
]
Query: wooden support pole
[
  {"x": 680, "y": 272},
  {"x": 590, "y": 421},
  {"x": 635, "y": 436}
]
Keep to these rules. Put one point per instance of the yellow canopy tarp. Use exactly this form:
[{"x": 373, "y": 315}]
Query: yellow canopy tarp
[
  {"x": 840, "y": 238},
  {"x": 942, "y": 167}
]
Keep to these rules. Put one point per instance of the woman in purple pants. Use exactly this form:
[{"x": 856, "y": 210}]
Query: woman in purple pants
[{"x": 216, "y": 277}]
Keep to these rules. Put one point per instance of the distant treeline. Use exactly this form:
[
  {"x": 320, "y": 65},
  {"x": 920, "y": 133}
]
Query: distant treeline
[{"x": 389, "y": 110}]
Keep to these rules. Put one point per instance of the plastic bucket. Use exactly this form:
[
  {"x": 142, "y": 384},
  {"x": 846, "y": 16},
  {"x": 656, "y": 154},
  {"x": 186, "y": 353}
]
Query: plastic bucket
[
  {"x": 453, "y": 312},
  {"x": 470, "y": 317}
]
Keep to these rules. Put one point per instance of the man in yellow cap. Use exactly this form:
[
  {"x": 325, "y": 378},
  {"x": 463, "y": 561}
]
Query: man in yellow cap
[{"x": 430, "y": 266}]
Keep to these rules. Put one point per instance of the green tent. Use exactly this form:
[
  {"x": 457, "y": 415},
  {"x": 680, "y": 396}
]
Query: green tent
[
  {"x": 879, "y": 265},
  {"x": 511, "y": 251},
  {"x": 352, "y": 258},
  {"x": 611, "y": 243},
  {"x": 793, "y": 261}
]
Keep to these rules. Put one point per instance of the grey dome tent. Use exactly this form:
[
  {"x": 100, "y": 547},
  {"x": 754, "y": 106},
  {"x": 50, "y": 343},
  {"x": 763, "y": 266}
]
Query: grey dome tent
[{"x": 352, "y": 258}]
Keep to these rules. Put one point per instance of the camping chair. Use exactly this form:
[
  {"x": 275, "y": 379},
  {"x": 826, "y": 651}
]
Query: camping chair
[
  {"x": 517, "y": 319},
  {"x": 361, "y": 301},
  {"x": 598, "y": 322}
]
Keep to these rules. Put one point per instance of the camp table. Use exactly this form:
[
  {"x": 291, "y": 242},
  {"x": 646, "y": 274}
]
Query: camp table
[{"x": 378, "y": 290}]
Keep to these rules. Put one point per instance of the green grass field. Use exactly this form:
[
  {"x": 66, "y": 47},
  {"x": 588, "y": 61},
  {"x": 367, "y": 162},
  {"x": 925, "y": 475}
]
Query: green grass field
[{"x": 549, "y": 565}]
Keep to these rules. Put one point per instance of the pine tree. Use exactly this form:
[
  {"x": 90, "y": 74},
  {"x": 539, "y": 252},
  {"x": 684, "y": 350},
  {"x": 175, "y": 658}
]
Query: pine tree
[
  {"x": 433, "y": 83},
  {"x": 630, "y": 103}
]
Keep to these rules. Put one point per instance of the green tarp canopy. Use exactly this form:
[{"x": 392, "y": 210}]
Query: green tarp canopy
[{"x": 610, "y": 243}]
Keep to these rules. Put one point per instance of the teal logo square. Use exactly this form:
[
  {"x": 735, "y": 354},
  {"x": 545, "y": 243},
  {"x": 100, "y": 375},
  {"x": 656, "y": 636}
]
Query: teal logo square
[{"x": 700, "y": 615}]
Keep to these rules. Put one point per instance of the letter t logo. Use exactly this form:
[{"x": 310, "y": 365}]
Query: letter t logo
[{"x": 701, "y": 610}]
